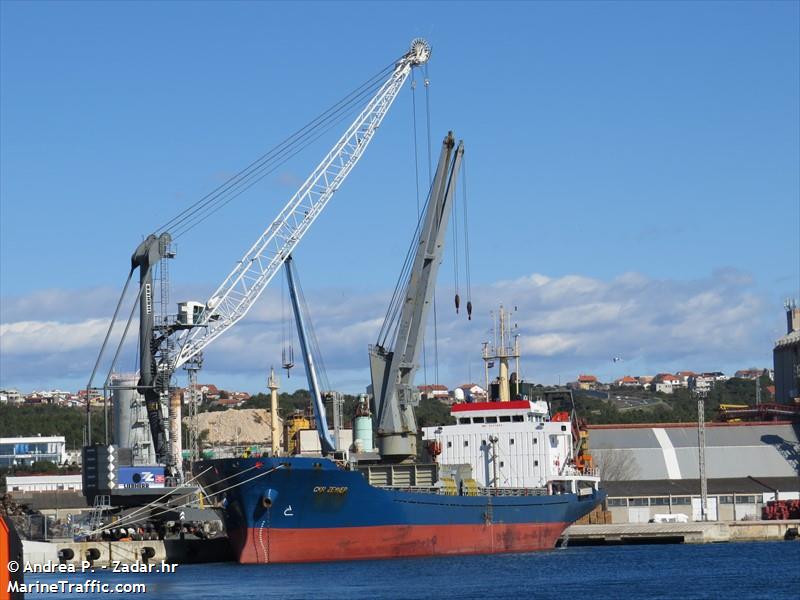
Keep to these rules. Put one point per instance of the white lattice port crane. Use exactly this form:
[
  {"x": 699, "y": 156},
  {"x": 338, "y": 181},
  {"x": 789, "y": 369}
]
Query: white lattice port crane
[
  {"x": 163, "y": 349},
  {"x": 237, "y": 294}
]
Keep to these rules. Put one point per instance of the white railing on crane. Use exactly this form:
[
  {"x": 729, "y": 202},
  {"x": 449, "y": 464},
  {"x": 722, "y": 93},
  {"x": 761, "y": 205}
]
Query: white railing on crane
[{"x": 237, "y": 294}]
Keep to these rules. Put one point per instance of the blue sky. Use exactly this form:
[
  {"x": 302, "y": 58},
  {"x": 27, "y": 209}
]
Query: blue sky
[{"x": 633, "y": 157}]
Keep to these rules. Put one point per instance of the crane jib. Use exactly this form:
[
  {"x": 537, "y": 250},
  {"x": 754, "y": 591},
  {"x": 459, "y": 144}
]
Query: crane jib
[{"x": 237, "y": 294}]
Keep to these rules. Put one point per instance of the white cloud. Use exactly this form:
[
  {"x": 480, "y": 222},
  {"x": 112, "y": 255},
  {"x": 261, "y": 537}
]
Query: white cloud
[
  {"x": 568, "y": 324},
  {"x": 35, "y": 337}
]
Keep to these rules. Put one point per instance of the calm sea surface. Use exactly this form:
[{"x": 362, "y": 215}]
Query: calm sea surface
[{"x": 730, "y": 571}]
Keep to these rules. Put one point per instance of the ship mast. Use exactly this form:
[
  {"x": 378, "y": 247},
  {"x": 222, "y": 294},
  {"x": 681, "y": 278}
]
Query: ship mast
[{"x": 501, "y": 351}]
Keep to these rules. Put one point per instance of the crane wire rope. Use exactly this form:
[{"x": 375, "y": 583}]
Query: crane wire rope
[
  {"x": 392, "y": 319},
  {"x": 430, "y": 182},
  {"x": 225, "y": 197},
  {"x": 468, "y": 273},
  {"x": 155, "y": 502},
  {"x": 455, "y": 248},
  {"x": 416, "y": 183},
  {"x": 414, "y": 121},
  {"x": 313, "y": 342},
  {"x": 127, "y": 518},
  {"x": 280, "y": 150}
]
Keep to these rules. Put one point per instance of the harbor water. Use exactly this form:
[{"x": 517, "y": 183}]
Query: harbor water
[{"x": 734, "y": 570}]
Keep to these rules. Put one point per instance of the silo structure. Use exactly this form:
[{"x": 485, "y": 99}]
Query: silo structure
[
  {"x": 362, "y": 434},
  {"x": 130, "y": 425}
]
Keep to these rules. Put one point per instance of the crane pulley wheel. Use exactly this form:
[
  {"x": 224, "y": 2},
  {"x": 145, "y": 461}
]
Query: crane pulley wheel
[{"x": 420, "y": 51}]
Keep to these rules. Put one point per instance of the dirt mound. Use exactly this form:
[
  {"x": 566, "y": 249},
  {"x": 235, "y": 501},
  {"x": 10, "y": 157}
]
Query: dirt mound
[{"x": 240, "y": 427}]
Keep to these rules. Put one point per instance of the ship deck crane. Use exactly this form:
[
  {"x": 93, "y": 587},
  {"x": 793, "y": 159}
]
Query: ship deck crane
[
  {"x": 393, "y": 369},
  {"x": 326, "y": 441},
  {"x": 242, "y": 287}
]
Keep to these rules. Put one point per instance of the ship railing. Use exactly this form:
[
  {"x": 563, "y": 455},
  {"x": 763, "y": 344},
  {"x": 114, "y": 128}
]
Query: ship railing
[
  {"x": 500, "y": 491},
  {"x": 512, "y": 491},
  {"x": 414, "y": 489}
]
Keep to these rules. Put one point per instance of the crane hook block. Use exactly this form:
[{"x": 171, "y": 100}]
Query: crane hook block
[
  {"x": 458, "y": 302},
  {"x": 469, "y": 310}
]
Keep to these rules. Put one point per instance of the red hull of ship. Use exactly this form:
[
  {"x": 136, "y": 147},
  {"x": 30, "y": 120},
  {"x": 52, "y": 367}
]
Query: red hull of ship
[{"x": 275, "y": 545}]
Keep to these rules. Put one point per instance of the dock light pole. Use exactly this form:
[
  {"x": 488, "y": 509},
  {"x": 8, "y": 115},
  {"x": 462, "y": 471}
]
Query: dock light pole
[{"x": 701, "y": 451}]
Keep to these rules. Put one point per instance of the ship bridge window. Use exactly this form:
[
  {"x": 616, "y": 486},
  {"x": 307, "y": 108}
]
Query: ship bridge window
[
  {"x": 505, "y": 419},
  {"x": 554, "y": 441},
  {"x": 517, "y": 418},
  {"x": 449, "y": 444},
  {"x": 466, "y": 443},
  {"x": 463, "y": 421},
  {"x": 491, "y": 419},
  {"x": 477, "y": 419},
  {"x": 511, "y": 442}
]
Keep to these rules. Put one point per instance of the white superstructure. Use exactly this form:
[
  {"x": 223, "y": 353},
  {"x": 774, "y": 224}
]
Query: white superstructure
[{"x": 508, "y": 444}]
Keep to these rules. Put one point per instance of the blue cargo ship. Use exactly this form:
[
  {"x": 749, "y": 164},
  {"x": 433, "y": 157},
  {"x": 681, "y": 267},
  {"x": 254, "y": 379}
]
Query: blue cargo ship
[{"x": 302, "y": 509}]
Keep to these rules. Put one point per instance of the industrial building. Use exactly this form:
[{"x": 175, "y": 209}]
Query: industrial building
[
  {"x": 650, "y": 469},
  {"x": 24, "y": 451},
  {"x": 43, "y": 483},
  {"x": 786, "y": 357}
]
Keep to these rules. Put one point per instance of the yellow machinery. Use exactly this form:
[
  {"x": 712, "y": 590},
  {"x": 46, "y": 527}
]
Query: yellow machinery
[{"x": 292, "y": 424}]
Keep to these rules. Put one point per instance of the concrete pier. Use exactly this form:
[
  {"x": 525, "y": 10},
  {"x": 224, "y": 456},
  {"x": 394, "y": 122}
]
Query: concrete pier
[
  {"x": 678, "y": 533},
  {"x": 103, "y": 554}
]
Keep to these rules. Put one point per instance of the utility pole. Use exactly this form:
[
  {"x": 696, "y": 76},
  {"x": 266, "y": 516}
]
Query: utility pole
[
  {"x": 701, "y": 447},
  {"x": 758, "y": 390}
]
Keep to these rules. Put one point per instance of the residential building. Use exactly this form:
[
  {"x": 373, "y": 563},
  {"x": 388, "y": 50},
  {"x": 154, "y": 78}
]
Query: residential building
[
  {"x": 473, "y": 391},
  {"x": 435, "y": 390},
  {"x": 11, "y": 397},
  {"x": 627, "y": 381},
  {"x": 665, "y": 383},
  {"x": 587, "y": 382},
  {"x": 749, "y": 373},
  {"x": 702, "y": 383},
  {"x": 684, "y": 377}
]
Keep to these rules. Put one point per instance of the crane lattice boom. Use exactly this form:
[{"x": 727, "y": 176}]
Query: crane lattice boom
[{"x": 237, "y": 294}]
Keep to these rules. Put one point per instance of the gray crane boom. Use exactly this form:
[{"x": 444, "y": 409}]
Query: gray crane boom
[
  {"x": 393, "y": 371},
  {"x": 326, "y": 442}
]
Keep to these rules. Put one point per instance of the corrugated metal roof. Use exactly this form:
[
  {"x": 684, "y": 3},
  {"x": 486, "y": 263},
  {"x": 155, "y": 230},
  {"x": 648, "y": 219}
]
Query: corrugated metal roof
[{"x": 735, "y": 451}]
